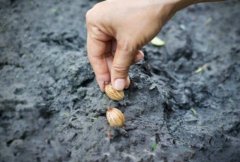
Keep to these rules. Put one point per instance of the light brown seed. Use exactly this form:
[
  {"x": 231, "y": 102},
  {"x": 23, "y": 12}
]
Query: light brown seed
[
  {"x": 115, "y": 117},
  {"x": 113, "y": 93}
]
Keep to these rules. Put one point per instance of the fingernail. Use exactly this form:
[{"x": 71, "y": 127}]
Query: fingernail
[
  {"x": 119, "y": 84},
  {"x": 106, "y": 83},
  {"x": 102, "y": 84}
]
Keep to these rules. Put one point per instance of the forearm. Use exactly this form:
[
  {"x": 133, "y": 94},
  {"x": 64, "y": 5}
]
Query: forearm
[
  {"x": 180, "y": 4},
  {"x": 167, "y": 8}
]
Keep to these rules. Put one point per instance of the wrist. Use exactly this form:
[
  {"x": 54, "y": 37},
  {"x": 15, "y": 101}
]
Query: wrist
[
  {"x": 180, "y": 4},
  {"x": 172, "y": 6},
  {"x": 165, "y": 8}
]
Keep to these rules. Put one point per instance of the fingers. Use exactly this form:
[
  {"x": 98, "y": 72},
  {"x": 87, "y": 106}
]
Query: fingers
[
  {"x": 96, "y": 54},
  {"x": 139, "y": 56},
  {"x": 100, "y": 55},
  {"x": 127, "y": 83},
  {"x": 123, "y": 59}
]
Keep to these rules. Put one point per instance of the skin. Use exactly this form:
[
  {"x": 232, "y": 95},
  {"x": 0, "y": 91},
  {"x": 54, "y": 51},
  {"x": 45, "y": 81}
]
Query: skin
[{"x": 118, "y": 29}]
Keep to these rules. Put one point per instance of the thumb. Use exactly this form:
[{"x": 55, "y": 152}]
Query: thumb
[{"x": 123, "y": 59}]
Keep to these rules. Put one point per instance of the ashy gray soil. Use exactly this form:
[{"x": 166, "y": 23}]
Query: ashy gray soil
[{"x": 182, "y": 105}]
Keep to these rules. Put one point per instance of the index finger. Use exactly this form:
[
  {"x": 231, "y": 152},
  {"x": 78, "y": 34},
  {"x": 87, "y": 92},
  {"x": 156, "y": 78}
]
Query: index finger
[{"x": 97, "y": 50}]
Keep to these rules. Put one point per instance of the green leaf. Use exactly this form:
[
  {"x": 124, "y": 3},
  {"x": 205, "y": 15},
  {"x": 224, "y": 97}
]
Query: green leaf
[
  {"x": 154, "y": 146},
  {"x": 194, "y": 111},
  {"x": 201, "y": 69},
  {"x": 157, "y": 42}
]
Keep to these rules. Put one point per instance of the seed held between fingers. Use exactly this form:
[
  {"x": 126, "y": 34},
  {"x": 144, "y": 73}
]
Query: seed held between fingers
[{"x": 113, "y": 93}]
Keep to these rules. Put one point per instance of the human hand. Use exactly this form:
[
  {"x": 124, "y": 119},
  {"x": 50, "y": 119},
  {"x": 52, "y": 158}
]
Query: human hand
[{"x": 117, "y": 30}]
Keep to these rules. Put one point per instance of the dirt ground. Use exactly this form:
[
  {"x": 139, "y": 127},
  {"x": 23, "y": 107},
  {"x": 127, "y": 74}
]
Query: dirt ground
[{"x": 182, "y": 105}]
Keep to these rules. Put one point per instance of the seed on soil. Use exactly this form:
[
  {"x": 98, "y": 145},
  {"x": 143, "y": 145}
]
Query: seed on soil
[
  {"x": 113, "y": 93},
  {"x": 115, "y": 117}
]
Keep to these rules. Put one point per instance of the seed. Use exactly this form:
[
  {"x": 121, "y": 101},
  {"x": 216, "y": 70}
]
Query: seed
[
  {"x": 115, "y": 117},
  {"x": 113, "y": 93}
]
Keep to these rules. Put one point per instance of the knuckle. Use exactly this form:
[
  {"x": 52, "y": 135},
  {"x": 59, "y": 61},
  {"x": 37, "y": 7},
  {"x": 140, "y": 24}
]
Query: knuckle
[
  {"x": 120, "y": 70},
  {"x": 93, "y": 13},
  {"x": 89, "y": 16},
  {"x": 128, "y": 46},
  {"x": 125, "y": 45}
]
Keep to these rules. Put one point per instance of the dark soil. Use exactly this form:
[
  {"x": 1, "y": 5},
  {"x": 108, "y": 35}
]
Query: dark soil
[{"x": 52, "y": 110}]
